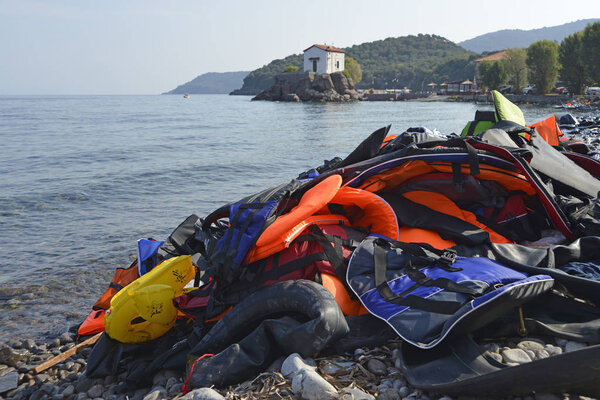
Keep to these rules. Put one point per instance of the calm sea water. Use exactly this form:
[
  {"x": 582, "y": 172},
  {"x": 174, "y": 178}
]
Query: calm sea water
[{"x": 83, "y": 177}]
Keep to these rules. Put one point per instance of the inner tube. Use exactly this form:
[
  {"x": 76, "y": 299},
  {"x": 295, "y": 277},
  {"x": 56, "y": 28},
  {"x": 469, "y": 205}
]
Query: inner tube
[{"x": 306, "y": 299}]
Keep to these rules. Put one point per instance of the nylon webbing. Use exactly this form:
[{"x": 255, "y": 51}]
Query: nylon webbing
[{"x": 420, "y": 279}]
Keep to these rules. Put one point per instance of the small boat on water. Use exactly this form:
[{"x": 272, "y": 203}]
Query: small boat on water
[{"x": 186, "y": 96}]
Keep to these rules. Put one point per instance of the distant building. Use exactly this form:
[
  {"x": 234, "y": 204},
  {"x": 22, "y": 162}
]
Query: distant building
[
  {"x": 323, "y": 59},
  {"x": 500, "y": 55},
  {"x": 459, "y": 87}
]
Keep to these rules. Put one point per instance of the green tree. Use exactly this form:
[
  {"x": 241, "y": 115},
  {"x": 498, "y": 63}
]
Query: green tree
[
  {"x": 515, "y": 63},
  {"x": 571, "y": 58},
  {"x": 291, "y": 68},
  {"x": 590, "y": 55},
  {"x": 542, "y": 60},
  {"x": 493, "y": 74},
  {"x": 352, "y": 70}
]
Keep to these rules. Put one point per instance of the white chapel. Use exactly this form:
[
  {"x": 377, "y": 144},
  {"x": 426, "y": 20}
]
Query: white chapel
[{"x": 323, "y": 59}]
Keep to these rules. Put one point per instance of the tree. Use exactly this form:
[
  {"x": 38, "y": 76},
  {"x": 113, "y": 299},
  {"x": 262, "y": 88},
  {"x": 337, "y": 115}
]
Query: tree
[
  {"x": 515, "y": 63},
  {"x": 542, "y": 60},
  {"x": 571, "y": 58},
  {"x": 352, "y": 70},
  {"x": 590, "y": 55},
  {"x": 291, "y": 68},
  {"x": 493, "y": 74}
]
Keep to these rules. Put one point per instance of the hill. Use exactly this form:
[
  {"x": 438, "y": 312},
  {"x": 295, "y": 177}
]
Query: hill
[
  {"x": 212, "y": 83},
  {"x": 507, "y": 38},
  {"x": 386, "y": 64}
]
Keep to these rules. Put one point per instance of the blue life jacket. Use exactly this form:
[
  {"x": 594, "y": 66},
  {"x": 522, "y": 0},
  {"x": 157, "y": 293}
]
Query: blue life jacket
[{"x": 426, "y": 294}]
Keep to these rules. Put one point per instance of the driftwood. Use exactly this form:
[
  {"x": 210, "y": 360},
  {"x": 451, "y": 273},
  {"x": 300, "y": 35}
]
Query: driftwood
[{"x": 66, "y": 354}]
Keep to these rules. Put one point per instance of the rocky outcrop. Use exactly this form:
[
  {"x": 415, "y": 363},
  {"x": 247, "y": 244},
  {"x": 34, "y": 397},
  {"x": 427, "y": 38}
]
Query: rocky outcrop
[{"x": 310, "y": 86}]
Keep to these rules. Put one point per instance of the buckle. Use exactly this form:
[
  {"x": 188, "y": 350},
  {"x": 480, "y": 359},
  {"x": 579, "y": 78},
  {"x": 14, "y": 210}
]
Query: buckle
[{"x": 448, "y": 257}]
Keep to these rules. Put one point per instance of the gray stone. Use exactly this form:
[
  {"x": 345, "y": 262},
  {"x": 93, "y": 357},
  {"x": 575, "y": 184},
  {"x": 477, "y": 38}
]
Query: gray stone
[
  {"x": 139, "y": 394},
  {"x": 495, "y": 356},
  {"x": 334, "y": 367},
  {"x": 157, "y": 393},
  {"x": 530, "y": 345},
  {"x": 396, "y": 354},
  {"x": 311, "y": 386},
  {"x": 358, "y": 352},
  {"x": 376, "y": 367},
  {"x": 48, "y": 388},
  {"x": 203, "y": 394},
  {"x": 28, "y": 344},
  {"x": 531, "y": 354},
  {"x": 553, "y": 350},
  {"x": 95, "y": 391},
  {"x": 348, "y": 393},
  {"x": 445, "y": 398},
  {"x": 515, "y": 356},
  {"x": 542, "y": 354},
  {"x": 9, "y": 381},
  {"x": 11, "y": 357},
  {"x": 58, "y": 396},
  {"x": 65, "y": 338},
  {"x": 389, "y": 394},
  {"x": 170, "y": 382},
  {"x": 81, "y": 396},
  {"x": 175, "y": 389},
  {"x": 69, "y": 390},
  {"x": 404, "y": 391},
  {"x": 294, "y": 363},
  {"x": 398, "y": 363},
  {"x": 41, "y": 378}
]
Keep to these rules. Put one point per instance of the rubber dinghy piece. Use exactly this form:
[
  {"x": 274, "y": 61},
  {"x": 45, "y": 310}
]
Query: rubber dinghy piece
[
  {"x": 287, "y": 317},
  {"x": 462, "y": 368}
]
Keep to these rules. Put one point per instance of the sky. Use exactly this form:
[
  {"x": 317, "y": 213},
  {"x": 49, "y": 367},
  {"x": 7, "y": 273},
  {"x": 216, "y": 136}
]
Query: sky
[{"x": 152, "y": 46}]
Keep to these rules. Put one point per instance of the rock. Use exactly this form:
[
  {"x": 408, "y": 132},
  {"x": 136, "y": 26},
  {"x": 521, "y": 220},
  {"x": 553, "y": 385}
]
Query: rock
[
  {"x": 203, "y": 394},
  {"x": 404, "y": 391},
  {"x": 309, "y": 86},
  {"x": 553, "y": 350},
  {"x": 65, "y": 338},
  {"x": 6, "y": 370},
  {"x": 333, "y": 367},
  {"x": 175, "y": 389},
  {"x": 389, "y": 394},
  {"x": 158, "y": 393},
  {"x": 376, "y": 367},
  {"x": 48, "y": 388},
  {"x": 348, "y": 393},
  {"x": 11, "y": 357},
  {"x": 495, "y": 356},
  {"x": 530, "y": 345},
  {"x": 445, "y": 398},
  {"x": 309, "y": 385},
  {"x": 295, "y": 363},
  {"x": 516, "y": 356},
  {"x": 81, "y": 396},
  {"x": 531, "y": 354},
  {"x": 95, "y": 391},
  {"x": 358, "y": 352},
  {"x": 542, "y": 354},
  {"x": 9, "y": 381},
  {"x": 41, "y": 378},
  {"x": 69, "y": 390}
]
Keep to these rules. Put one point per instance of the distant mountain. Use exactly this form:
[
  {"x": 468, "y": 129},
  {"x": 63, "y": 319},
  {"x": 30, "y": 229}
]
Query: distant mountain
[
  {"x": 212, "y": 83},
  {"x": 386, "y": 64},
  {"x": 508, "y": 38}
]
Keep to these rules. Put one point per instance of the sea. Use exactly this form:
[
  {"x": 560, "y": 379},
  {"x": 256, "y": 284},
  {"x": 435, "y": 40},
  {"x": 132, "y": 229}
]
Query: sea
[{"x": 83, "y": 177}]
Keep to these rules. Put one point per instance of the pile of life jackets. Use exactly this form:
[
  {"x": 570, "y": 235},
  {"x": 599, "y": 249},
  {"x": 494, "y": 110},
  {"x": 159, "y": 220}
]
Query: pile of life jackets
[{"x": 432, "y": 239}]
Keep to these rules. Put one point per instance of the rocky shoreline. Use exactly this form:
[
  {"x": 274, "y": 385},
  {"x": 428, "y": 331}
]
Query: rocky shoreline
[
  {"x": 309, "y": 86},
  {"x": 367, "y": 374}
]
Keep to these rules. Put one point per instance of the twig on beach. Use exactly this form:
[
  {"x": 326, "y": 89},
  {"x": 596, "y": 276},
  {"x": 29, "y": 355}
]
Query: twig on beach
[{"x": 66, "y": 354}]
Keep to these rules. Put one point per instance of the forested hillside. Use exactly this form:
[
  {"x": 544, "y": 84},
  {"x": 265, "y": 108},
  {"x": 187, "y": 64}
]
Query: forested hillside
[
  {"x": 212, "y": 83},
  {"x": 408, "y": 61}
]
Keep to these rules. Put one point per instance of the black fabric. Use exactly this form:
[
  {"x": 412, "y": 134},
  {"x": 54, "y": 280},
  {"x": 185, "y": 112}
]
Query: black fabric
[
  {"x": 553, "y": 164},
  {"x": 104, "y": 358},
  {"x": 417, "y": 215},
  {"x": 462, "y": 367},
  {"x": 292, "y": 316},
  {"x": 584, "y": 214},
  {"x": 485, "y": 116},
  {"x": 365, "y": 331},
  {"x": 181, "y": 241},
  {"x": 367, "y": 149}
]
